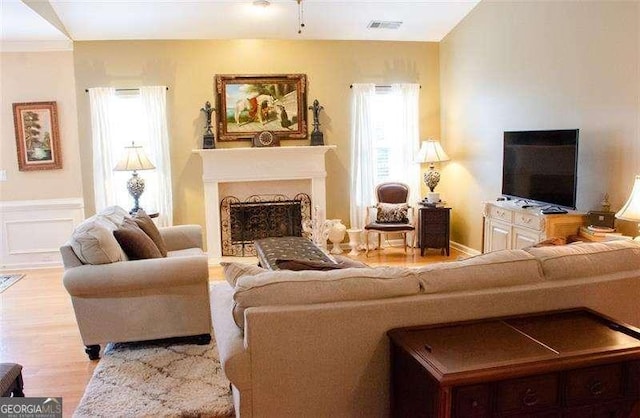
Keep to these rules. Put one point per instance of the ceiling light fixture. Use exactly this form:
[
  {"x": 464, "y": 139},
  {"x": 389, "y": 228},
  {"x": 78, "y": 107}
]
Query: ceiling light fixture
[
  {"x": 261, "y": 3},
  {"x": 300, "y": 16}
]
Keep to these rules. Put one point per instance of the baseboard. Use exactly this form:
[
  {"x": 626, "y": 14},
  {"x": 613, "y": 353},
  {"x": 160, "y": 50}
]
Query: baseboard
[
  {"x": 34, "y": 230},
  {"x": 455, "y": 245},
  {"x": 464, "y": 249}
]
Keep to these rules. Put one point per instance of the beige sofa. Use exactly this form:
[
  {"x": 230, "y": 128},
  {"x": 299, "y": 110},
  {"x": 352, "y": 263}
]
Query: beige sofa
[
  {"x": 120, "y": 300},
  {"x": 314, "y": 343}
]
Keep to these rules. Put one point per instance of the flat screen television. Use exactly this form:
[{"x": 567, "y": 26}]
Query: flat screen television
[{"x": 541, "y": 166}]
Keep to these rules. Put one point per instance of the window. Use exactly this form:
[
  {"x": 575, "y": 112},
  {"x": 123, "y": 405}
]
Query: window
[
  {"x": 129, "y": 126},
  {"x": 385, "y": 108},
  {"x": 119, "y": 118},
  {"x": 384, "y": 143}
]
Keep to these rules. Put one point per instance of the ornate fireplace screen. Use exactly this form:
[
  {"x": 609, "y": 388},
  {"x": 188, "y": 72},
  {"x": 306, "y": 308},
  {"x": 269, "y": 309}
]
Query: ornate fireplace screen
[{"x": 260, "y": 216}]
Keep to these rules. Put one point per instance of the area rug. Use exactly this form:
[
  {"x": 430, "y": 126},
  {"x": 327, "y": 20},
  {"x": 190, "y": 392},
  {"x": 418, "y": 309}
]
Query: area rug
[
  {"x": 7, "y": 280},
  {"x": 157, "y": 379}
]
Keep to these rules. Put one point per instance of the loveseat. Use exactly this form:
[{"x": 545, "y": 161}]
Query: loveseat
[
  {"x": 119, "y": 299},
  {"x": 314, "y": 343}
]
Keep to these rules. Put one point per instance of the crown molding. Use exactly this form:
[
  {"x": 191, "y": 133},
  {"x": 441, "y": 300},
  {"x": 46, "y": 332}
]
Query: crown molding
[{"x": 36, "y": 46}]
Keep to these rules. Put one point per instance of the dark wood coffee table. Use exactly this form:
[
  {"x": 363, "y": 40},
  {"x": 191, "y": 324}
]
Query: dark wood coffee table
[{"x": 271, "y": 249}]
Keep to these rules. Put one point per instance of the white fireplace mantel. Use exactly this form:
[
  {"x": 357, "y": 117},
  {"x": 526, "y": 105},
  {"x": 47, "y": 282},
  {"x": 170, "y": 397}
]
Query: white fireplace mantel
[{"x": 246, "y": 165}]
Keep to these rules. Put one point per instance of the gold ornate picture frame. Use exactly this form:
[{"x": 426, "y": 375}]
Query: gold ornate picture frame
[
  {"x": 37, "y": 136},
  {"x": 249, "y": 104}
]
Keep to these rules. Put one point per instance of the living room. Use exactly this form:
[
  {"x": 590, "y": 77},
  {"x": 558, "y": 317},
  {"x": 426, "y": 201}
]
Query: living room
[{"x": 504, "y": 66}]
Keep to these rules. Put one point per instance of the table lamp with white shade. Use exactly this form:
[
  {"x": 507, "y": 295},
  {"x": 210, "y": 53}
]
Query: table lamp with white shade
[
  {"x": 134, "y": 159},
  {"x": 631, "y": 210},
  {"x": 431, "y": 152}
]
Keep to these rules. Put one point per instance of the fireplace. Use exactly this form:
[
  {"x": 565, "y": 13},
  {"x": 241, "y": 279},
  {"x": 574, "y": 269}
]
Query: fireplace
[
  {"x": 260, "y": 216},
  {"x": 243, "y": 172}
]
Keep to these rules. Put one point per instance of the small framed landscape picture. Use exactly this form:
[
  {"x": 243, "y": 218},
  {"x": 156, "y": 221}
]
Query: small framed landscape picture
[
  {"x": 249, "y": 104},
  {"x": 37, "y": 137}
]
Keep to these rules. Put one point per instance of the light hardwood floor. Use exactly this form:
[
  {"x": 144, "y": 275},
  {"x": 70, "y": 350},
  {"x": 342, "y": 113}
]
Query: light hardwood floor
[{"x": 39, "y": 331}]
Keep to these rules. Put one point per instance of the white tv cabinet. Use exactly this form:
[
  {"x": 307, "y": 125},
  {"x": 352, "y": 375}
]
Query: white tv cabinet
[{"x": 508, "y": 226}]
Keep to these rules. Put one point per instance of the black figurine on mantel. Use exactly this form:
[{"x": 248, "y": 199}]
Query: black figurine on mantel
[
  {"x": 208, "y": 139},
  {"x": 316, "y": 136}
]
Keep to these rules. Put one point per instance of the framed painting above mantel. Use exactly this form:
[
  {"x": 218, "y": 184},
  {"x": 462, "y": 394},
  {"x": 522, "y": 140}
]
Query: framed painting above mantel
[{"x": 249, "y": 104}]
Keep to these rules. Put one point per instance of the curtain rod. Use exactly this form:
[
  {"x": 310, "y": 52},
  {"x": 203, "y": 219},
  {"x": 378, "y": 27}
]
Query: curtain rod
[
  {"x": 384, "y": 86},
  {"x": 136, "y": 89}
]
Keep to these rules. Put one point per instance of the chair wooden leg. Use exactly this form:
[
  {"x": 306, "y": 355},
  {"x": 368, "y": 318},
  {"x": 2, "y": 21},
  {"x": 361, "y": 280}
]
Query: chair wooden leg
[
  {"x": 404, "y": 240},
  {"x": 379, "y": 241},
  {"x": 414, "y": 243},
  {"x": 366, "y": 243}
]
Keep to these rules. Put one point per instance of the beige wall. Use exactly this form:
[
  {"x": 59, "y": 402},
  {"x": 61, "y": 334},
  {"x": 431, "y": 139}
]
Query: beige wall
[
  {"x": 188, "y": 68},
  {"x": 39, "y": 77},
  {"x": 539, "y": 65}
]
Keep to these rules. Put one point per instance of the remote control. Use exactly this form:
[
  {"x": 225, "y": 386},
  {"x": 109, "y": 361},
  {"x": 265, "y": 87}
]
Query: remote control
[{"x": 552, "y": 211}]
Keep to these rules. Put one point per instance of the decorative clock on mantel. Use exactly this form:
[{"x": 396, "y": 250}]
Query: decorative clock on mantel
[{"x": 266, "y": 139}]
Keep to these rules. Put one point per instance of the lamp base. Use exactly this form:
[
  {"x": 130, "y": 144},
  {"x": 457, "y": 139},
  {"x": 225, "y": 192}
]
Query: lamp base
[
  {"x": 433, "y": 197},
  {"x": 431, "y": 178},
  {"x": 135, "y": 186}
]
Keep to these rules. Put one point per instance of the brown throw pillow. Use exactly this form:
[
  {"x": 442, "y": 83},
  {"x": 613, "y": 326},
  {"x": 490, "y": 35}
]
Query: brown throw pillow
[
  {"x": 149, "y": 227},
  {"x": 392, "y": 213},
  {"x": 297, "y": 265},
  {"x": 301, "y": 264},
  {"x": 134, "y": 242},
  {"x": 550, "y": 241}
]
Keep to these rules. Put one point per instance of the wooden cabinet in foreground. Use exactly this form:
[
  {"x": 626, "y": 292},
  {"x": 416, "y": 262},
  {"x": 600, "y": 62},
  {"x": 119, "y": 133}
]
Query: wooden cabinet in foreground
[{"x": 573, "y": 363}]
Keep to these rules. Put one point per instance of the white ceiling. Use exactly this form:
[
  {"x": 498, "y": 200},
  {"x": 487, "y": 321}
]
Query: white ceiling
[{"x": 224, "y": 19}]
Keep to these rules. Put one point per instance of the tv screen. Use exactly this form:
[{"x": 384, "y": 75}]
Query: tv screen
[{"x": 541, "y": 166}]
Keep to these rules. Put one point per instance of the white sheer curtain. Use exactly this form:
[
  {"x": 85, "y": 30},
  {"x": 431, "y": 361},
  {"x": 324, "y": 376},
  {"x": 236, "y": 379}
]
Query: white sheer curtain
[
  {"x": 408, "y": 130},
  {"x": 154, "y": 104},
  {"x": 362, "y": 153},
  {"x": 119, "y": 118},
  {"x": 385, "y": 139},
  {"x": 102, "y": 103}
]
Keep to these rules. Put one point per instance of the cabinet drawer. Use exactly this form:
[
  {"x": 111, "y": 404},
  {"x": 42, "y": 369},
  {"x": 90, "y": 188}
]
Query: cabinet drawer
[
  {"x": 435, "y": 228},
  {"x": 617, "y": 409},
  {"x": 472, "y": 401},
  {"x": 594, "y": 384},
  {"x": 528, "y": 220},
  {"x": 435, "y": 216},
  {"x": 634, "y": 379},
  {"x": 521, "y": 396},
  {"x": 496, "y": 212}
]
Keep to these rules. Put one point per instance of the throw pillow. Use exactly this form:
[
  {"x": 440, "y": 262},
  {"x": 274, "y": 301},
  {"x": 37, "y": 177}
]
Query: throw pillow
[
  {"x": 114, "y": 214},
  {"x": 135, "y": 243},
  {"x": 550, "y": 241},
  {"x": 298, "y": 265},
  {"x": 149, "y": 227},
  {"x": 93, "y": 242},
  {"x": 233, "y": 271},
  {"x": 392, "y": 213}
]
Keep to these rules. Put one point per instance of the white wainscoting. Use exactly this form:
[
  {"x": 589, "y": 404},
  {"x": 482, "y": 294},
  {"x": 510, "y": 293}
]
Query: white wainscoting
[{"x": 33, "y": 231}]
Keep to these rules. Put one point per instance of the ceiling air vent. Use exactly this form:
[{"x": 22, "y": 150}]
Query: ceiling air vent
[{"x": 379, "y": 24}]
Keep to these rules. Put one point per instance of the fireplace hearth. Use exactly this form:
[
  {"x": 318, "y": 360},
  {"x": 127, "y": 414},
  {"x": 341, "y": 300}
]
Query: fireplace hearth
[{"x": 260, "y": 216}]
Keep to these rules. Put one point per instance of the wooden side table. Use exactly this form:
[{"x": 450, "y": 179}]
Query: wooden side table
[{"x": 433, "y": 225}]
